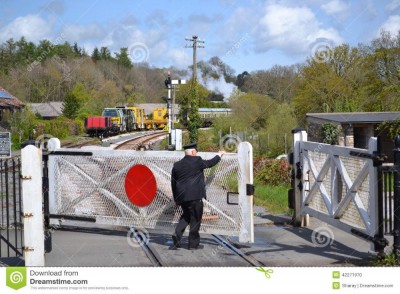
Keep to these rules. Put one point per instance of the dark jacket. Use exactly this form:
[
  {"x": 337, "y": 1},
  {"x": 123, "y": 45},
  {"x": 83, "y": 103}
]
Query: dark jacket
[{"x": 187, "y": 178}]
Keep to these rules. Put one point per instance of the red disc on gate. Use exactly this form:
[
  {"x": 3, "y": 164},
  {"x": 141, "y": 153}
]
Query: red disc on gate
[{"x": 140, "y": 185}]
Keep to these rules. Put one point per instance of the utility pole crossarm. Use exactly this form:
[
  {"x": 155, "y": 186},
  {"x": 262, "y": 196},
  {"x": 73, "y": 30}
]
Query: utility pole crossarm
[{"x": 194, "y": 45}]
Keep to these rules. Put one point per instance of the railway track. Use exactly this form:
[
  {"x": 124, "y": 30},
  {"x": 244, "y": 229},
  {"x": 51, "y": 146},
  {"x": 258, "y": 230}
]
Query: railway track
[
  {"x": 76, "y": 145},
  {"x": 141, "y": 143},
  {"x": 233, "y": 248},
  {"x": 147, "y": 247}
]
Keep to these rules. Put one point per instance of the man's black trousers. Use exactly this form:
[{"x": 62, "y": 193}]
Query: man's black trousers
[{"x": 192, "y": 213}]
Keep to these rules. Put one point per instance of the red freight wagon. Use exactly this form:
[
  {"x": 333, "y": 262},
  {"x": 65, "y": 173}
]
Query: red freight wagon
[{"x": 98, "y": 126}]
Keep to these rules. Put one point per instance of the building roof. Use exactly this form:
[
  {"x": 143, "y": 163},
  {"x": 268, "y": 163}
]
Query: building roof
[
  {"x": 9, "y": 101},
  {"x": 356, "y": 117},
  {"x": 48, "y": 109},
  {"x": 205, "y": 109}
]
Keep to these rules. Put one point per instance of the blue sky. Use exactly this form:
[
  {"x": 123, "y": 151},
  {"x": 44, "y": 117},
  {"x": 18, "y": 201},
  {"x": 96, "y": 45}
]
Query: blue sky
[{"x": 248, "y": 35}]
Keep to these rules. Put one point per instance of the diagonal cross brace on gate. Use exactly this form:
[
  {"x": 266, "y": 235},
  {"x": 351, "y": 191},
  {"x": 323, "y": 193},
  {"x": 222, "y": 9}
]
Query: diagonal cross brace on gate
[{"x": 339, "y": 185}]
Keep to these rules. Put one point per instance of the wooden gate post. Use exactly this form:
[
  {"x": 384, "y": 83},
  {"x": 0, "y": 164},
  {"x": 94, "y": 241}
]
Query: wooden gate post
[
  {"x": 299, "y": 135},
  {"x": 31, "y": 166},
  {"x": 246, "y": 190}
]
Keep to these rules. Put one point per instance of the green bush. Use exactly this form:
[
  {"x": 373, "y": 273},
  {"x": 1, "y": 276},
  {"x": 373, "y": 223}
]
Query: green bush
[
  {"x": 271, "y": 172},
  {"x": 330, "y": 133}
]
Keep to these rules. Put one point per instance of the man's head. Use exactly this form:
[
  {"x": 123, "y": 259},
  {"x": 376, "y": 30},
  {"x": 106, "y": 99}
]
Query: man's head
[{"x": 190, "y": 149}]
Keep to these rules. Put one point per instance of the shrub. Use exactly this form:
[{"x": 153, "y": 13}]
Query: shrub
[
  {"x": 330, "y": 133},
  {"x": 273, "y": 172}
]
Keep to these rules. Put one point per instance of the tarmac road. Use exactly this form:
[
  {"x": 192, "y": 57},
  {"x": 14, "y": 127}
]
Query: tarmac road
[{"x": 275, "y": 245}]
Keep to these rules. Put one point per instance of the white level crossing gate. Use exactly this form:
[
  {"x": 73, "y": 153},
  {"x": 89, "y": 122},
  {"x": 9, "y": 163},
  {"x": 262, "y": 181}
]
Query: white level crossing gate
[
  {"x": 89, "y": 184},
  {"x": 338, "y": 185}
]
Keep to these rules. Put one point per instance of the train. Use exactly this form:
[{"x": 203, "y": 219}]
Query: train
[{"x": 121, "y": 119}]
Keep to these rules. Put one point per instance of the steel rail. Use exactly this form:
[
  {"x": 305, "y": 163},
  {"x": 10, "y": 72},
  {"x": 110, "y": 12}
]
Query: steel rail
[
  {"x": 146, "y": 246},
  {"x": 231, "y": 247}
]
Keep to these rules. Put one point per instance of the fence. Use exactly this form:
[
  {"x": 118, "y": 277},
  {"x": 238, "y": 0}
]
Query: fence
[{"x": 11, "y": 229}]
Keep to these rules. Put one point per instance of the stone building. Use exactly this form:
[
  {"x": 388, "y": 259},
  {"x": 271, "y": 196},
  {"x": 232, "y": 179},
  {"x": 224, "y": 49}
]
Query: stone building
[{"x": 355, "y": 128}]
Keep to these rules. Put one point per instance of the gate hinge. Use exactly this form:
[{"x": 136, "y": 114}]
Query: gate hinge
[
  {"x": 26, "y": 248},
  {"x": 250, "y": 188},
  {"x": 26, "y": 177},
  {"x": 27, "y": 214}
]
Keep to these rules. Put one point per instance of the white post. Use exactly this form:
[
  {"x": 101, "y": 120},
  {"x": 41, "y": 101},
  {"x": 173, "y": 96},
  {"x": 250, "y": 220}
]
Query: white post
[
  {"x": 245, "y": 156},
  {"x": 178, "y": 139},
  {"x": 31, "y": 164},
  {"x": 373, "y": 192},
  {"x": 298, "y": 136}
]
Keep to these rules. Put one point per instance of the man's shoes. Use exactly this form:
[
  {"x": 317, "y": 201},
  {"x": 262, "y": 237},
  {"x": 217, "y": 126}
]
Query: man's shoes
[
  {"x": 176, "y": 241},
  {"x": 197, "y": 247}
]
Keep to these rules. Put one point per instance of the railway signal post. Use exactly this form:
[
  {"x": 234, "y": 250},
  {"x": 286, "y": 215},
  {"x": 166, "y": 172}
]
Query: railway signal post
[{"x": 171, "y": 84}]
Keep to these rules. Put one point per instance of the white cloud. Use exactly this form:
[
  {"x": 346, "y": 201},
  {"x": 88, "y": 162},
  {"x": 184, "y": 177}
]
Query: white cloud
[
  {"x": 75, "y": 33},
  {"x": 32, "y": 27},
  {"x": 292, "y": 29},
  {"x": 391, "y": 25},
  {"x": 335, "y": 7}
]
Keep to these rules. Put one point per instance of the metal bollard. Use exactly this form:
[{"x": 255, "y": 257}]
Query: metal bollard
[{"x": 396, "y": 200}]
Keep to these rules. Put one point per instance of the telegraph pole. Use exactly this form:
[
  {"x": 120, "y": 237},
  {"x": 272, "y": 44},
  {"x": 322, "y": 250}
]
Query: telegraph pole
[{"x": 196, "y": 44}]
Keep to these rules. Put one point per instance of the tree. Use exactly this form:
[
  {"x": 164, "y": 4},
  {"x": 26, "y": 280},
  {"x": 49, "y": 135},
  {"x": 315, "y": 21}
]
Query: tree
[
  {"x": 95, "y": 54},
  {"x": 71, "y": 106},
  {"x": 105, "y": 53},
  {"x": 335, "y": 85},
  {"x": 277, "y": 82},
  {"x": 123, "y": 58},
  {"x": 194, "y": 122},
  {"x": 384, "y": 81},
  {"x": 77, "y": 50}
]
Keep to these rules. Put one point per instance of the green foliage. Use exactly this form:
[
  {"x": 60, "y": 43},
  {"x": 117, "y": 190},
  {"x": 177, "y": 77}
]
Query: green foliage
[
  {"x": 279, "y": 126},
  {"x": 334, "y": 85},
  {"x": 194, "y": 122},
  {"x": 392, "y": 126},
  {"x": 60, "y": 127},
  {"x": 25, "y": 123},
  {"x": 123, "y": 58},
  {"x": 95, "y": 54},
  {"x": 272, "y": 172},
  {"x": 279, "y": 82},
  {"x": 22, "y": 124},
  {"x": 388, "y": 260},
  {"x": 71, "y": 106},
  {"x": 266, "y": 123},
  {"x": 330, "y": 133}
]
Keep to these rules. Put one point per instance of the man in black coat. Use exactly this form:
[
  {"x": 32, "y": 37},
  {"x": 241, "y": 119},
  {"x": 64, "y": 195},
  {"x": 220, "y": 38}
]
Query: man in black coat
[{"x": 188, "y": 189}]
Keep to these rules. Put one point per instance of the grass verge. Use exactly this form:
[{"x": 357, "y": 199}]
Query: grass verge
[{"x": 273, "y": 198}]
